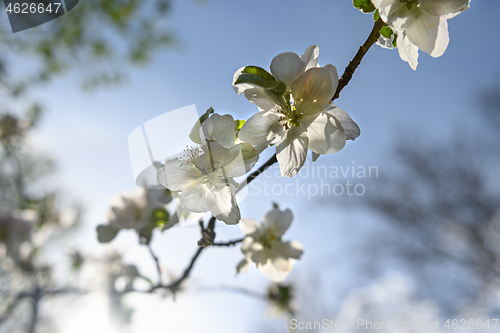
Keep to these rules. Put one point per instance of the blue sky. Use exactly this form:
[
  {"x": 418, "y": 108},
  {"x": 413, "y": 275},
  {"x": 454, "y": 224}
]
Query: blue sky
[{"x": 87, "y": 132}]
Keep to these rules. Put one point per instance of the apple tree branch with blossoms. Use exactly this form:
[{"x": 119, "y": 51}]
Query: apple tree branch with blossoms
[{"x": 295, "y": 114}]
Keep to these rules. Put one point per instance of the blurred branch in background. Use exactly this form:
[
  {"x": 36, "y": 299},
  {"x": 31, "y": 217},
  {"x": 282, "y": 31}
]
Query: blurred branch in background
[
  {"x": 30, "y": 218},
  {"x": 444, "y": 205},
  {"x": 99, "y": 40}
]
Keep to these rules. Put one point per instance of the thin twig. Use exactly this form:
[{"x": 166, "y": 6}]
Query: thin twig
[
  {"x": 229, "y": 243},
  {"x": 349, "y": 70},
  {"x": 240, "y": 290},
  {"x": 37, "y": 296},
  {"x": 157, "y": 262},
  {"x": 174, "y": 286},
  {"x": 257, "y": 172},
  {"x": 12, "y": 306}
]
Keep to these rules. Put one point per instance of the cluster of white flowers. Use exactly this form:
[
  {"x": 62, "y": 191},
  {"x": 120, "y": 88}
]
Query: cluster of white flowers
[
  {"x": 297, "y": 116},
  {"x": 263, "y": 245},
  {"x": 419, "y": 24},
  {"x": 141, "y": 210},
  {"x": 204, "y": 176}
]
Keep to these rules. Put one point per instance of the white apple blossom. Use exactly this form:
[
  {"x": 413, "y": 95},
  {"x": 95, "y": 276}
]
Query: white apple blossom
[
  {"x": 420, "y": 24},
  {"x": 141, "y": 210},
  {"x": 263, "y": 245},
  {"x": 204, "y": 176},
  {"x": 303, "y": 117}
]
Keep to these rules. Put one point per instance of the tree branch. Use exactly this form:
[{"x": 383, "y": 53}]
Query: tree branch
[
  {"x": 174, "y": 286},
  {"x": 157, "y": 262},
  {"x": 257, "y": 172},
  {"x": 234, "y": 242},
  {"x": 349, "y": 70},
  {"x": 11, "y": 307}
]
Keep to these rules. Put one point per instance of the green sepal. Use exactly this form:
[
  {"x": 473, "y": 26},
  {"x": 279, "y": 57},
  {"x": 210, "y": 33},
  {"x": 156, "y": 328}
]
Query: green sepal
[
  {"x": 395, "y": 40},
  {"x": 365, "y": 6},
  {"x": 159, "y": 218},
  {"x": 238, "y": 124},
  {"x": 194, "y": 135},
  {"x": 260, "y": 72},
  {"x": 276, "y": 87},
  {"x": 386, "y": 31},
  {"x": 260, "y": 77}
]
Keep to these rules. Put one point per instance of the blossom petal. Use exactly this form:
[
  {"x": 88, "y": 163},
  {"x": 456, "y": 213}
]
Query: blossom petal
[
  {"x": 385, "y": 42},
  {"x": 351, "y": 129},
  {"x": 313, "y": 90},
  {"x": 243, "y": 162},
  {"x": 271, "y": 272},
  {"x": 334, "y": 74},
  {"x": 325, "y": 133},
  {"x": 394, "y": 13},
  {"x": 407, "y": 51},
  {"x": 287, "y": 67},
  {"x": 194, "y": 197},
  {"x": 176, "y": 173},
  {"x": 215, "y": 156},
  {"x": 450, "y": 8},
  {"x": 310, "y": 57},
  {"x": 292, "y": 249},
  {"x": 256, "y": 253},
  {"x": 230, "y": 217},
  {"x": 221, "y": 200},
  {"x": 277, "y": 221},
  {"x": 240, "y": 88},
  {"x": 291, "y": 151},
  {"x": 242, "y": 266},
  {"x": 262, "y": 128},
  {"x": 246, "y": 245},
  {"x": 429, "y": 33},
  {"x": 219, "y": 128},
  {"x": 282, "y": 264},
  {"x": 249, "y": 226},
  {"x": 263, "y": 98}
]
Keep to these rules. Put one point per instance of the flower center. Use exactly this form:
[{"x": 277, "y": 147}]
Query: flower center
[
  {"x": 268, "y": 239},
  {"x": 290, "y": 115},
  {"x": 215, "y": 178},
  {"x": 191, "y": 153},
  {"x": 410, "y": 3}
]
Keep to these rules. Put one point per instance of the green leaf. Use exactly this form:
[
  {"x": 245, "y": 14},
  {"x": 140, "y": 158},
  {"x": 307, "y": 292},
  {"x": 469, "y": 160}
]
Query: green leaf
[
  {"x": 376, "y": 15},
  {"x": 194, "y": 135},
  {"x": 206, "y": 115},
  {"x": 386, "y": 31},
  {"x": 105, "y": 233},
  {"x": 394, "y": 41},
  {"x": 260, "y": 72},
  {"x": 276, "y": 87},
  {"x": 365, "y": 6},
  {"x": 260, "y": 77}
]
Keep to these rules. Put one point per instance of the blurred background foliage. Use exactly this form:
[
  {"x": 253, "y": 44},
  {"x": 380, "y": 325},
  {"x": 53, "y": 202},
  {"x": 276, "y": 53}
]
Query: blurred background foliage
[
  {"x": 99, "y": 40},
  {"x": 439, "y": 206}
]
